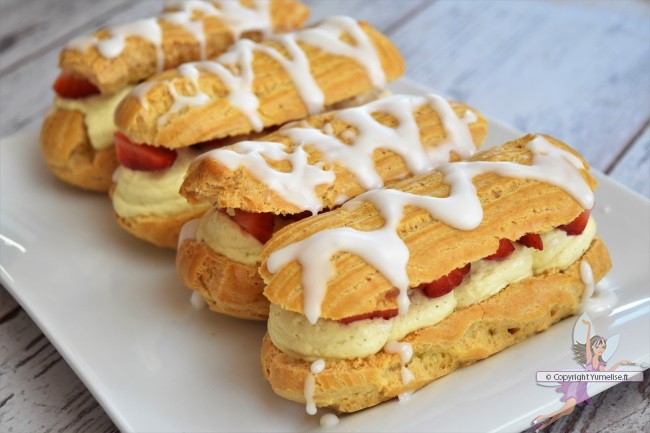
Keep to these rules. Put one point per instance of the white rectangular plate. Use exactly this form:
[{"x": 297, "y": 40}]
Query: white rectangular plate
[{"x": 113, "y": 307}]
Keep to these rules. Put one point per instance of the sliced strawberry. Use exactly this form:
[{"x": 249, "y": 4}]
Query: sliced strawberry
[
  {"x": 532, "y": 240},
  {"x": 259, "y": 225},
  {"x": 72, "y": 86},
  {"x": 577, "y": 226},
  {"x": 506, "y": 247},
  {"x": 142, "y": 157},
  {"x": 385, "y": 314},
  {"x": 446, "y": 284}
]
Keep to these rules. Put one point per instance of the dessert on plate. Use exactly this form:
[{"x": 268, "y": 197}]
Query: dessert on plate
[
  {"x": 258, "y": 187},
  {"x": 252, "y": 86},
  {"x": 97, "y": 71},
  {"x": 403, "y": 285}
]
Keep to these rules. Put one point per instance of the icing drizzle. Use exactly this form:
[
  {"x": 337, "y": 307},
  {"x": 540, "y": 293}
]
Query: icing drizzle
[
  {"x": 595, "y": 301},
  {"x": 310, "y": 383},
  {"x": 405, "y": 351},
  {"x": 237, "y": 17},
  {"x": 235, "y": 67},
  {"x": 298, "y": 186},
  {"x": 386, "y": 251}
]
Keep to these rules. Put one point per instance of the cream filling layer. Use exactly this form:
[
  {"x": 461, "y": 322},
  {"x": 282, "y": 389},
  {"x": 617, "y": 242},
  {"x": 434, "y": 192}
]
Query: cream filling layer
[
  {"x": 294, "y": 335},
  {"x": 98, "y": 114},
  {"x": 227, "y": 238},
  {"x": 153, "y": 193}
]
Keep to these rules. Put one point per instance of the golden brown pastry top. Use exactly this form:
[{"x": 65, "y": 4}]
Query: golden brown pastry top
[
  {"x": 512, "y": 207},
  {"x": 138, "y": 59},
  {"x": 338, "y": 77},
  {"x": 209, "y": 179}
]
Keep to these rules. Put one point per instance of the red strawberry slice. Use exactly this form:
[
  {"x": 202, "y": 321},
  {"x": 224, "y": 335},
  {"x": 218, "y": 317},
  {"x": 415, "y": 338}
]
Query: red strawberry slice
[
  {"x": 577, "y": 226},
  {"x": 259, "y": 225},
  {"x": 72, "y": 86},
  {"x": 385, "y": 314},
  {"x": 506, "y": 247},
  {"x": 532, "y": 240},
  {"x": 446, "y": 284},
  {"x": 142, "y": 157}
]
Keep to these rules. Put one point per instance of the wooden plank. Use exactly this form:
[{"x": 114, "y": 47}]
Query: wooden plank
[
  {"x": 25, "y": 88},
  {"x": 382, "y": 14},
  {"x": 26, "y": 30},
  {"x": 38, "y": 390},
  {"x": 633, "y": 169},
  {"x": 580, "y": 74}
]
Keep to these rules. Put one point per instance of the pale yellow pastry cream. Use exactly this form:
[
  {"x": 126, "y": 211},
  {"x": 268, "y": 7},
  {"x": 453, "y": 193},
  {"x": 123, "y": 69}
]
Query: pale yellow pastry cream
[
  {"x": 153, "y": 193},
  {"x": 294, "y": 335},
  {"x": 227, "y": 238},
  {"x": 98, "y": 112}
]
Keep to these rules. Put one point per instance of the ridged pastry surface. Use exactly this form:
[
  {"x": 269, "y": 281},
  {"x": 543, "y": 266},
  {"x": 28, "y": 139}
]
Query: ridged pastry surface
[
  {"x": 227, "y": 286},
  {"x": 512, "y": 207},
  {"x": 210, "y": 179},
  {"x": 338, "y": 77},
  {"x": 137, "y": 61}
]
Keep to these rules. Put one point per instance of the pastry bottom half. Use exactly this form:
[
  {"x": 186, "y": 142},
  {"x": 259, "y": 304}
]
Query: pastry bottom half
[
  {"x": 227, "y": 286},
  {"x": 162, "y": 231},
  {"x": 66, "y": 147},
  {"x": 466, "y": 336}
]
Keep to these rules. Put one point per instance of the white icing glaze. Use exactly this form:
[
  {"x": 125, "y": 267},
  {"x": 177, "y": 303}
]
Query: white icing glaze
[
  {"x": 329, "y": 420},
  {"x": 317, "y": 366},
  {"x": 594, "y": 301},
  {"x": 237, "y": 17},
  {"x": 188, "y": 231},
  {"x": 405, "y": 351},
  {"x": 111, "y": 47},
  {"x": 327, "y": 36},
  {"x": 197, "y": 301},
  {"x": 235, "y": 70},
  {"x": 386, "y": 251},
  {"x": 298, "y": 186},
  {"x": 310, "y": 383}
]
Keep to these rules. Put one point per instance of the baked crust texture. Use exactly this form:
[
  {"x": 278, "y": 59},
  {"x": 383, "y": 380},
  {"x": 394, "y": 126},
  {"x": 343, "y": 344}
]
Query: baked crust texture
[
  {"x": 228, "y": 287},
  {"x": 512, "y": 207},
  {"x": 338, "y": 77},
  {"x": 466, "y": 336},
  {"x": 137, "y": 61},
  {"x": 69, "y": 155},
  {"x": 209, "y": 179}
]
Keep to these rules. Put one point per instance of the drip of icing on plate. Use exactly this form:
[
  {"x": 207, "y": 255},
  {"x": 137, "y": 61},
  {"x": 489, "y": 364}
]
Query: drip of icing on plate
[
  {"x": 310, "y": 383},
  {"x": 595, "y": 302},
  {"x": 386, "y": 251},
  {"x": 298, "y": 186},
  {"x": 237, "y": 17},
  {"x": 329, "y": 420},
  {"x": 405, "y": 351},
  {"x": 235, "y": 67}
]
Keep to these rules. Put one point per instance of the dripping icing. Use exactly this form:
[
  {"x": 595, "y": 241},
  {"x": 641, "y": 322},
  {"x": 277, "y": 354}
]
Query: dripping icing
[
  {"x": 595, "y": 301},
  {"x": 298, "y": 186},
  {"x": 386, "y": 251},
  {"x": 235, "y": 69},
  {"x": 310, "y": 384},
  {"x": 237, "y": 17}
]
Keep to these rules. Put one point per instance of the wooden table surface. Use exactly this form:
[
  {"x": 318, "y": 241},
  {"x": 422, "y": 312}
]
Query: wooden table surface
[{"x": 577, "y": 70}]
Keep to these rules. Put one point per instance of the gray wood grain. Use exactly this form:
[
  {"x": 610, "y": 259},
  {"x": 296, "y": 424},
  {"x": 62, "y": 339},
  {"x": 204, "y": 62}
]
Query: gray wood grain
[
  {"x": 26, "y": 88},
  {"x": 38, "y": 390},
  {"x": 577, "y": 73},
  {"x": 633, "y": 169},
  {"x": 27, "y": 30}
]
